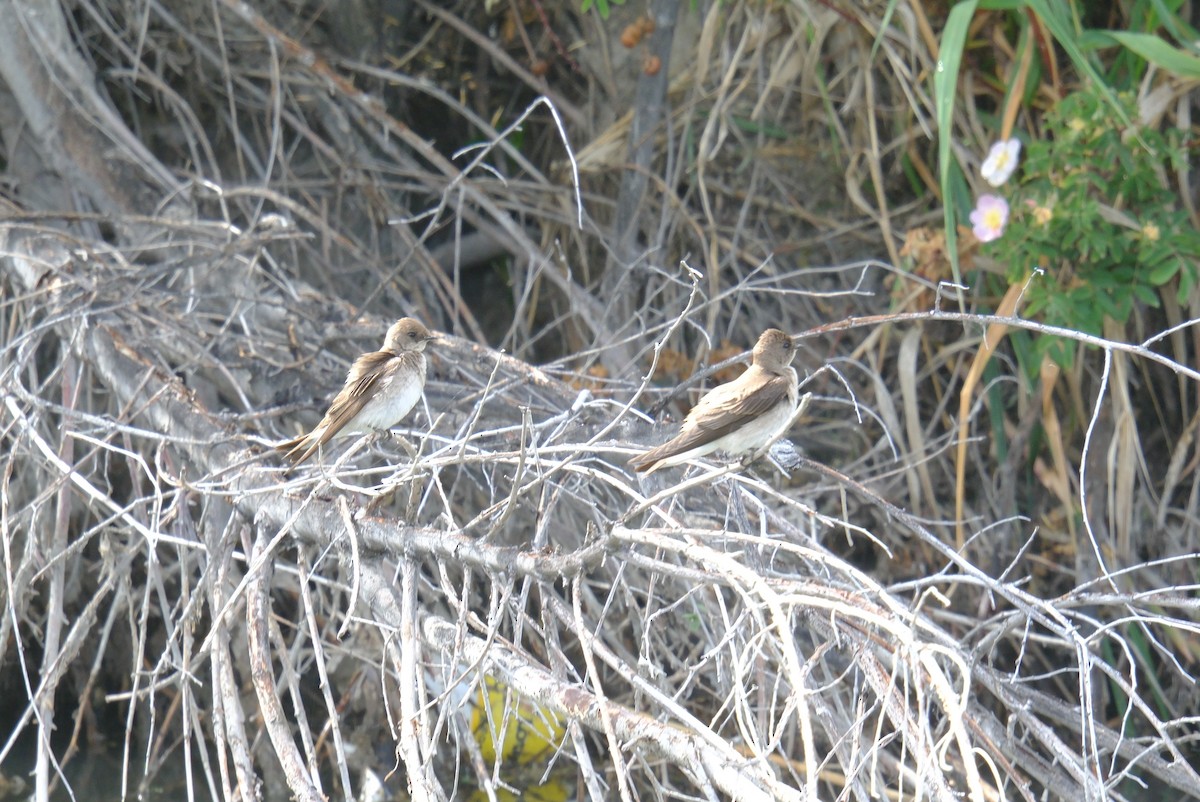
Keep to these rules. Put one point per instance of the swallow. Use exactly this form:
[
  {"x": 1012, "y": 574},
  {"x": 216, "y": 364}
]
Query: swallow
[
  {"x": 381, "y": 388},
  {"x": 740, "y": 416}
]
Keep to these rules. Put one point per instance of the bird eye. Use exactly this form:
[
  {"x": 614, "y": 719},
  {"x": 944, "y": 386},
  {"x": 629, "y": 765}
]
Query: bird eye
[{"x": 412, "y": 335}]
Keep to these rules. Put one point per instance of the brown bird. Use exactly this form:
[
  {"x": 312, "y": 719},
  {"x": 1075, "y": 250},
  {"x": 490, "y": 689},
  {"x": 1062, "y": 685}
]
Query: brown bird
[
  {"x": 739, "y": 416},
  {"x": 381, "y": 388}
]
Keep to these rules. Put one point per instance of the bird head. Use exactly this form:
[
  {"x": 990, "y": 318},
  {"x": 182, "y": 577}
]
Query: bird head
[
  {"x": 774, "y": 350},
  {"x": 407, "y": 334}
]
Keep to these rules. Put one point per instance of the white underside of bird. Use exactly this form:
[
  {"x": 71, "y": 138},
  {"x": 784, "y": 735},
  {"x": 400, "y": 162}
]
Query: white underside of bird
[
  {"x": 748, "y": 438},
  {"x": 387, "y": 407}
]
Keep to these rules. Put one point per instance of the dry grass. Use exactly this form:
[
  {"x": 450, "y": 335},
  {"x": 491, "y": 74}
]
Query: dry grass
[{"x": 808, "y": 628}]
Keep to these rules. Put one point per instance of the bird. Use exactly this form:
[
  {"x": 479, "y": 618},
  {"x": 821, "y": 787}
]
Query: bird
[
  {"x": 381, "y": 388},
  {"x": 740, "y": 416}
]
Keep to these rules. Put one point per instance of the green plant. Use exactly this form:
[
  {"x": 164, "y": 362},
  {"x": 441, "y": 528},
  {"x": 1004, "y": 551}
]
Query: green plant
[
  {"x": 1094, "y": 212},
  {"x": 603, "y": 6},
  {"x": 1062, "y": 23}
]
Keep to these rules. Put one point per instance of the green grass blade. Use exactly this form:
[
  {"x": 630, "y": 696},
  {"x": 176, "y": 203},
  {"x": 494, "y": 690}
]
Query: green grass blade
[{"x": 945, "y": 88}]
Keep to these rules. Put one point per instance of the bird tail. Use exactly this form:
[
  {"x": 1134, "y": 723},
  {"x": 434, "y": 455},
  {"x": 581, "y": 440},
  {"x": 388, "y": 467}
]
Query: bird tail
[
  {"x": 650, "y": 461},
  {"x": 294, "y": 450}
]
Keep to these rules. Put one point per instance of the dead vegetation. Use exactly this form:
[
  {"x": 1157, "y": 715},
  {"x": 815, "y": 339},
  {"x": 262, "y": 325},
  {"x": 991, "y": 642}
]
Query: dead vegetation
[{"x": 213, "y": 208}]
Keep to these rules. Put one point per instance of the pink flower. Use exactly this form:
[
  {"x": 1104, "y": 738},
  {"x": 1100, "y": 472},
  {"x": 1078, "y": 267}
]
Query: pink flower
[
  {"x": 1001, "y": 161},
  {"x": 989, "y": 217}
]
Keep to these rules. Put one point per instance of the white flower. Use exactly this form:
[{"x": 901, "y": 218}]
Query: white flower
[
  {"x": 989, "y": 218},
  {"x": 1001, "y": 161}
]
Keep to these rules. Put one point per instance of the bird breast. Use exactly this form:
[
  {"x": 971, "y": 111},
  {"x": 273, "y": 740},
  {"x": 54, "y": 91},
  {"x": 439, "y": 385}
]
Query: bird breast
[
  {"x": 394, "y": 396},
  {"x": 753, "y": 434}
]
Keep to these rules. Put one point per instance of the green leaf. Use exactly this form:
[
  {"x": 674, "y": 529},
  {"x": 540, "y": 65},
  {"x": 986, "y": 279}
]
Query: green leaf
[
  {"x": 883, "y": 27},
  {"x": 601, "y": 6},
  {"x": 1179, "y": 29},
  {"x": 1157, "y": 51},
  {"x": 945, "y": 83},
  {"x": 1146, "y": 295},
  {"x": 1187, "y": 280},
  {"x": 1163, "y": 272},
  {"x": 1064, "y": 32}
]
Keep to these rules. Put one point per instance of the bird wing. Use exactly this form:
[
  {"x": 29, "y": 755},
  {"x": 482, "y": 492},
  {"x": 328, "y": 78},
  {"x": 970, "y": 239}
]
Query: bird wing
[
  {"x": 729, "y": 406},
  {"x": 721, "y": 411},
  {"x": 364, "y": 376}
]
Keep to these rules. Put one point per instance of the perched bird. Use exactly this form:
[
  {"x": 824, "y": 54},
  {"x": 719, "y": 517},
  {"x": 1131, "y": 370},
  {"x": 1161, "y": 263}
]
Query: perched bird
[
  {"x": 381, "y": 388},
  {"x": 739, "y": 416}
]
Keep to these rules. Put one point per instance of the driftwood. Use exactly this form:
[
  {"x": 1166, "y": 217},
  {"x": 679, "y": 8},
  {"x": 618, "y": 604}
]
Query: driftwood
[{"x": 552, "y": 515}]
